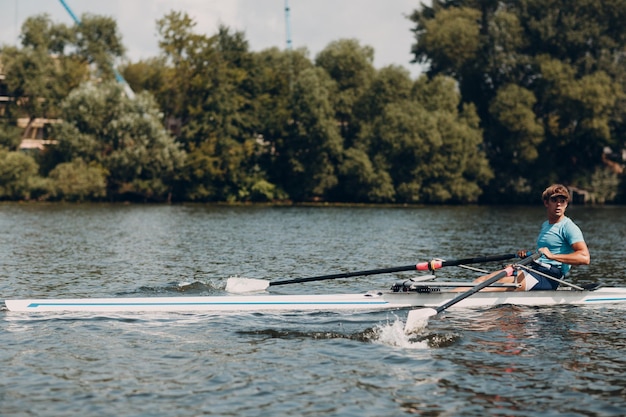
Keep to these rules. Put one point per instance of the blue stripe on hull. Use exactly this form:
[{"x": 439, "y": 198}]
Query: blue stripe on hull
[{"x": 321, "y": 303}]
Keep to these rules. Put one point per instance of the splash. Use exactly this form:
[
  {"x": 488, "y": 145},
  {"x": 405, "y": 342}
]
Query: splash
[
  {"x": 193, "y": 287},
  {"x": 392, "y": 334}
]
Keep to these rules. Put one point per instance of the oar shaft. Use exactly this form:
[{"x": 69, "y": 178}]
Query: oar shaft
[
  {"x": 508, "y": 271},
  {"x": 504, "y": 273},
  {"x": 422, "y": 266},
  {"x": 346, "y": 275}
]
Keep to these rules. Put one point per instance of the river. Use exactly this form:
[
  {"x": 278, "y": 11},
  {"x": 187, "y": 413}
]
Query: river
[{"x": 505, "y": 361}]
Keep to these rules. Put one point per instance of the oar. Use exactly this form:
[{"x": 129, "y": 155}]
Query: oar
[
  {"x": 417, "y": 318},
  {"x": 250, "y": 284}
]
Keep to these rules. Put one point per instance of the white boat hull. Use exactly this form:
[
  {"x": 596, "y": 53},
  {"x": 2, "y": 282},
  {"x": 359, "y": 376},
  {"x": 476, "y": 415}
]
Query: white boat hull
[{"x": 368, "y": 301}]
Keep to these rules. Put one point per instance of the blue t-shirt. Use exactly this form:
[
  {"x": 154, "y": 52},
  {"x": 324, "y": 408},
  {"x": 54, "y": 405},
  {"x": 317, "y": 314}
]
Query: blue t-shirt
[{"x": 559, "y": 238}]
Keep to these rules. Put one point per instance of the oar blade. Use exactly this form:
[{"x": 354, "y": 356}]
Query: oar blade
[
  {"x": 243, "y": 285},
  {"x": 417, "y": 319}
]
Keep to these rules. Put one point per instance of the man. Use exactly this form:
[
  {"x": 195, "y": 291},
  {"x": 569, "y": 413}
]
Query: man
[{"x": 560, "y": 242}]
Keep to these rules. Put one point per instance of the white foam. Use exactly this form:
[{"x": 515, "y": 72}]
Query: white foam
[{"x": 393, "y": 334}]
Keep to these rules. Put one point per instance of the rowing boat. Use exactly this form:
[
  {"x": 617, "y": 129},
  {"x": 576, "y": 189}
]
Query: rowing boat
[{"x": 373, "y": 300}]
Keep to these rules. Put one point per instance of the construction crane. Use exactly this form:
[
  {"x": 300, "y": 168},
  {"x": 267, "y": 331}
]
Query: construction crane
[
  {"x": 129, "y": 92},
  {"x": 287, "y": 24},
  {"x": 288, "y": 30}
]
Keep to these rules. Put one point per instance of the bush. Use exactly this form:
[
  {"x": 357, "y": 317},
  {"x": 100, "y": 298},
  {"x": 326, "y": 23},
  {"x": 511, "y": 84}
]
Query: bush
[
  {"x": 19, "y": 179},
  {"x": 78, "y": 181}
]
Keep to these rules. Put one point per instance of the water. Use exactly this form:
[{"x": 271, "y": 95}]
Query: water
[{"x": 502, "y": 361}]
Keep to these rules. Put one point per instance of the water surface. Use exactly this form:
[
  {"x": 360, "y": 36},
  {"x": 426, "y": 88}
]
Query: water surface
[{"x": 501, "y": 361}]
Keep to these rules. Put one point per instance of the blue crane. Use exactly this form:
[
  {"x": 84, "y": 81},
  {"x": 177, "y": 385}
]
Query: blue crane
[
  {"x": 287, "y": 24},
  {"x": 129, "y": 92}
]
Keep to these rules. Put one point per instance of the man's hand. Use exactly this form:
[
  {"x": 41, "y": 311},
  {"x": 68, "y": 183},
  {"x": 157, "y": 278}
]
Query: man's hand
[{"x": 545, "y": 252}]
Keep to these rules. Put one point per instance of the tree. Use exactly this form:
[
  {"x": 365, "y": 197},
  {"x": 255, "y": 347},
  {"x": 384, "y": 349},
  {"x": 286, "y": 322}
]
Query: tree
[
  {"x": 547, "y": 79},
  {"x": 149, "y": 75},
  {"x": 208, "y": 79},
  {"x": 513, "y": 117},
  {"x": 19, "y": 179},
  {"x": 274, "y": 85},
  {"x": 429, "y": 147},
  {"x": 309, "y": 154},
  {"x": 78, "y": 181},
  {"x": 55, "y": 59},
  {"x": 363, "y": 174},
  {"x": 10, "y": 135},
  {"x": 98, "y": 41},
  {"x": 126, "y": 137},
  {"x": 363, "y": 181},
  {"x": 351, "y": 66},
  {"x": 40, "y": 74},
  {"x": 211, "y": 89}
]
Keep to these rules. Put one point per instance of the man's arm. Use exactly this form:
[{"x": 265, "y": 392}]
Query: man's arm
[{"x": 580, "y": 256}]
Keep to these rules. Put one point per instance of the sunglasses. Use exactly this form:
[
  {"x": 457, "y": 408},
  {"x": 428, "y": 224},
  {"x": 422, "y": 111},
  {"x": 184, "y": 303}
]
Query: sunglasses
[{"x": 558, "y": 198}]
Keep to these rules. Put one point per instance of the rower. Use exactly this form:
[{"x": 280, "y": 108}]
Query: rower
[{"x": 560, "y": 242}]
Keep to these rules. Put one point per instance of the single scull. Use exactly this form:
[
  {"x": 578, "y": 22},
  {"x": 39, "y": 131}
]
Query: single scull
[{"x": 373, "y": 300}]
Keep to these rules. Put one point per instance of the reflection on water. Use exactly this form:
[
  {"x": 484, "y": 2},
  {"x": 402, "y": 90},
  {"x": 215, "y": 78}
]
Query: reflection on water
[{"x": 543, "y": 353}]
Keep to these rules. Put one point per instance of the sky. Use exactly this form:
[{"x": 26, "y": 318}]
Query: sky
[{"x": 381, "y": 24}]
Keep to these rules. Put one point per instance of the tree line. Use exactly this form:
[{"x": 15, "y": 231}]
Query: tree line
[{"x": 516, "y": 95}]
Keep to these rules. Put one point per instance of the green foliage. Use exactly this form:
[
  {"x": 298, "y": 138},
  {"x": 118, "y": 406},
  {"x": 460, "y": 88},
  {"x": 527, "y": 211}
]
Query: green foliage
[
  {"x": 532, "y": 91},
  {"x": 450, "y": 40},
  {"x": 361, "y": 181},
  {"x": 201, "y": 173},
  {"x": 217, "y": 171},
  {"x": 264, "y": 191},
  {"x": 18, "y": 177},
  {"x": 438, "y": 93},
  {"x": 313, "y": 146},
  {"x": 98, "y": 40},
  {"x": 274, "y": 81},
  {"x": 149, "y": 75},
  {"x": 124, "y": 136},
  {"x": 208, "y": 86},
  {"x": 10, "y": 135},
  {"x": 350, "y": 65},
  {"x": 421, "y": 145},
  {"x": 390, "y": 84},
  {"x": 364, "y": 175},
  {"x": 212, "y": 84},
  {"x": 32, "y": 75},
  {"x": 46, "y": 69},
  {"x": 78, "y": 181},
  {"x": 603, "y": 186},
  {"x": 512, "y": 111},
  {"x": 40, "y": 33},
  {"x": 434, "y": 155},
  {"x": 547, "y": 79}
]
